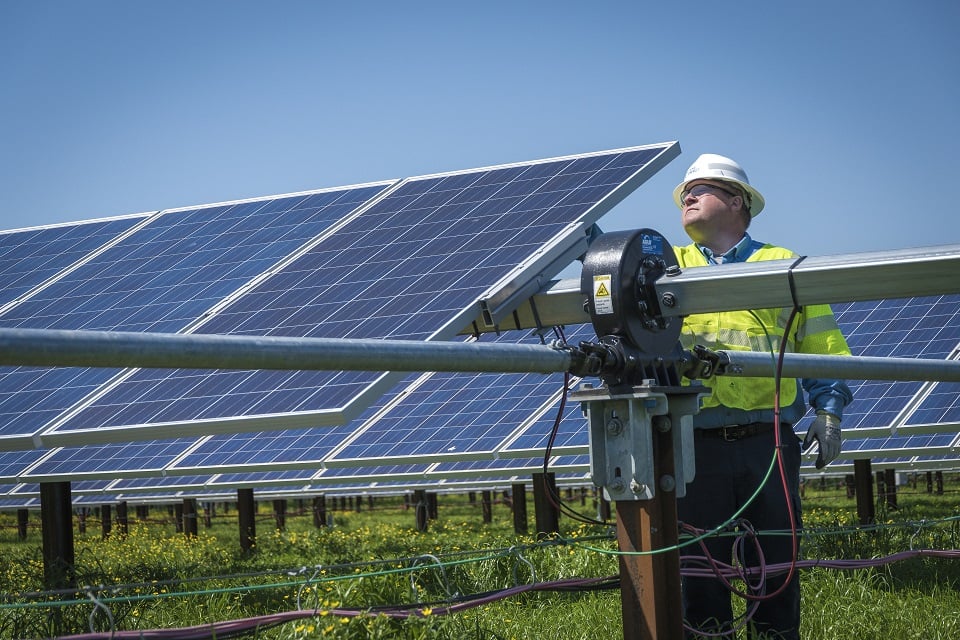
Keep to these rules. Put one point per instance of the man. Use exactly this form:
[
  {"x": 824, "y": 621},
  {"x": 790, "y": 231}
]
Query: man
[{"x": 734, "y": 430}]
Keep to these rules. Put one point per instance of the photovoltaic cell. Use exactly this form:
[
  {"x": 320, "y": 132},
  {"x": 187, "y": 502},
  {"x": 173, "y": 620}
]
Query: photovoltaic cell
[
  {"x": 164, "y": 277},
  {"x": 412, "y": 266}
]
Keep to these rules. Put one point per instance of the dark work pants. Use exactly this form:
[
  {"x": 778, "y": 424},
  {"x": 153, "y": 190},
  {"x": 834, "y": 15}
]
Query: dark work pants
[{"x": 727, "y": 474}]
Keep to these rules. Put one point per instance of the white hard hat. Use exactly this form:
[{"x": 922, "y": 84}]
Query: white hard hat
[{"x": 710, "y": 166}]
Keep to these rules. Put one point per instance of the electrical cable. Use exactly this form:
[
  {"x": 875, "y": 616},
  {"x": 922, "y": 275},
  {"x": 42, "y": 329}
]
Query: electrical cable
[
  {"x": 555, "y": 500},
  {"x": 245, "y": 626}
]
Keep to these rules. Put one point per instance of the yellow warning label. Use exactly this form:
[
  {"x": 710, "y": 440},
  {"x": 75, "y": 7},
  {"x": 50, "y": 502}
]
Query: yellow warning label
[{"x": 602, "y": 300}]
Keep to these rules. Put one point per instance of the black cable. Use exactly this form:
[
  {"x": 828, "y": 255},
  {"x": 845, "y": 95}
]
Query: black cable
[{"x": 555, "y": 500}]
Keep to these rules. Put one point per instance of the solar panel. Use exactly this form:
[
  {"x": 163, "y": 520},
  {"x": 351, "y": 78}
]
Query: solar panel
[
  {"x": 114, "y": 460},
  {"x": 13, "y": 463},
  {"x": 926, "y": 327},
  {"x": 414, "y": 266},
  {"x": 163, "y": 277},
  {"x": 941, "y": 406},
  {"x": 447, "y": 415},
  {"x": 28, "y": 257}
]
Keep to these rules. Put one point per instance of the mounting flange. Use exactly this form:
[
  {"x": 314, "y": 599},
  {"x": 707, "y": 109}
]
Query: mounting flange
[{"x": 618, "y": 276}]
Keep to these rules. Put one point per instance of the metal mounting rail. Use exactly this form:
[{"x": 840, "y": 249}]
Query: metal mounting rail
[{"x": 853, "y": 277}]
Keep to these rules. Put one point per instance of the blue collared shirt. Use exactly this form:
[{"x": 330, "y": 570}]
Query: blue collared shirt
[{"x": 824, "y": 393}]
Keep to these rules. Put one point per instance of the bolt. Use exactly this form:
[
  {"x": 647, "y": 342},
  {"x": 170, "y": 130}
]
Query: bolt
[
  {"x": 668, "y": 299},
  {"x": 615, "y": 486},
  {"x": 667, "y": 483},
  {"x": 662, "y": 423},
  {"x": 615, "y": 426},
  {"x": 673, "y": 270},
  {"x": 636, "y": 487}
]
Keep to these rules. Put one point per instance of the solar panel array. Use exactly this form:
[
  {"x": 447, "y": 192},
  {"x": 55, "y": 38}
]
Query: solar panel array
[
  {"x": 404, "y": 260},
  {"x": 390, "y": 260},
  {"x": 410, "y": 262}
]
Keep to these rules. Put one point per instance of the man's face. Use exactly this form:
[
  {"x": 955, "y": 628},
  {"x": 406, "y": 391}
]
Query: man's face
[{"x": 707, "y": 208}]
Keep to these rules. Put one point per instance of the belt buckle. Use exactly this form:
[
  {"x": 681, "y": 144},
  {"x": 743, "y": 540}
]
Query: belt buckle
[{"x": 732, "y": 435}]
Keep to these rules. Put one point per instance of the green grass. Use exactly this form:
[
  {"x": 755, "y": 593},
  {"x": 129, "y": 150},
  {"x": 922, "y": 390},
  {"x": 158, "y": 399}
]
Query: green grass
[{"x": 158, "y": 578}]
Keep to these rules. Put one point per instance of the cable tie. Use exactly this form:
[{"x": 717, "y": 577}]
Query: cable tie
[{"x": 792, "y": 283}]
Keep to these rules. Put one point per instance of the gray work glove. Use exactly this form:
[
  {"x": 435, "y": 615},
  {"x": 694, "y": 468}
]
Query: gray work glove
[{"x": 826, "y": 431}]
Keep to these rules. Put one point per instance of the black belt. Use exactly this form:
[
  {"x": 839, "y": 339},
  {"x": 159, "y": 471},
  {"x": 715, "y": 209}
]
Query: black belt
[{"x": 734, "y": 432}]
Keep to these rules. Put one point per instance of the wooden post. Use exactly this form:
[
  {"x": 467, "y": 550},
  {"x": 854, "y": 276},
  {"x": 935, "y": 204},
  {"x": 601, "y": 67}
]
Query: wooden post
[
  {"x": 320, "y": 511},
  {"x": 519, "y": 501},
  {"x": 247, "y": 515},
  {"x": 122, "y": 522},
  {"x": 23, "y": 518},
  {"x": 420, "y": 509},
  {"x": 280, "y": 513},
  {"x": 57, "y": 526},
  {"x": 862, "y": 478},
  {"x": 486, "y": 506},
  {"x": 190, "y": 527},
  {"x": 650, "y": 584},
  {"x": 850, "y": 486},
  {"x": 890, "y": 478},
  {"x": 546, "y": 514},
  {"x": 106, "y": 520}
]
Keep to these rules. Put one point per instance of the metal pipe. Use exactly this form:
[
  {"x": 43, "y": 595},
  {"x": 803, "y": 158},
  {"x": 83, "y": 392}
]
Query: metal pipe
[
  {"x": 118, "y": 349},
  {"x": 40, "y": 347},
  {"x": 801, "y": 365},
  {"x": 903, "y": 273}
]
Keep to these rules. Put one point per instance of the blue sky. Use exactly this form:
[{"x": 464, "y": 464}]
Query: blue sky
[{"x": 845, "y": 115}]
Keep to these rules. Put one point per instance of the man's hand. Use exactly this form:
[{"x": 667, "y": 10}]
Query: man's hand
[{"x": 826, "y": 431}]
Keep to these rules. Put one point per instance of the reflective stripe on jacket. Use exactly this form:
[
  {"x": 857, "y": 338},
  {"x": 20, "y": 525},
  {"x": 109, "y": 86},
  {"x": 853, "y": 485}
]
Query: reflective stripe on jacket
[{"x": 814, "y": 331}]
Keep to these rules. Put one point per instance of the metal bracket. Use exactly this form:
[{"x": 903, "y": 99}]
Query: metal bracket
[{"x": 622, "y": 455}]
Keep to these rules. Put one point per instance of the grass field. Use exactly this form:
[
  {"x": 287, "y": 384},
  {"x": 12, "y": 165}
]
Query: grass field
[{"x": 373, "y": 560}]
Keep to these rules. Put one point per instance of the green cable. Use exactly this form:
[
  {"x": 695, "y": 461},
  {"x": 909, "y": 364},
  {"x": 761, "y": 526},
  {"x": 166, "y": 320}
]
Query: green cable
[{"x": 717, "y": 529}]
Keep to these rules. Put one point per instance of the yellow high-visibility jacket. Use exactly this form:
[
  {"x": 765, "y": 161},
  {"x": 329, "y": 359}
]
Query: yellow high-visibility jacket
[{"x": 814, "y": 331}]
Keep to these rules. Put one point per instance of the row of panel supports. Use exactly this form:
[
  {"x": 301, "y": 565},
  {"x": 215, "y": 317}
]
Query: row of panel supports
[
  {"x": 58, "y": 531},
  {"x": 57, "y": 512}
]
